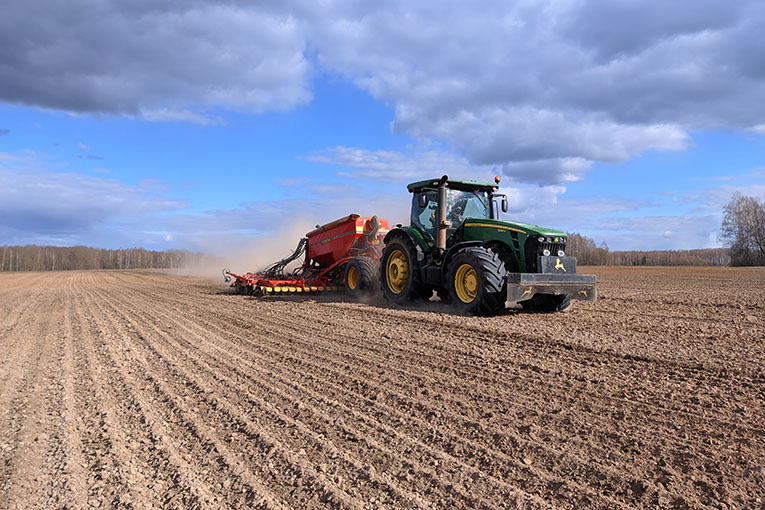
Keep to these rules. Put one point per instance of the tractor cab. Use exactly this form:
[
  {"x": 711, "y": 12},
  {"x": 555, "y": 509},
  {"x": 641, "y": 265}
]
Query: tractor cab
[
  {"x": 460, "y": 200},
  {"x": 459, "y": 206}
]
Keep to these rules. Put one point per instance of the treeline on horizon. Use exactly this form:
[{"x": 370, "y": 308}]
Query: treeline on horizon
[
  {"x": 63, "y": 258},
  {"x": 587, "y": 253}
]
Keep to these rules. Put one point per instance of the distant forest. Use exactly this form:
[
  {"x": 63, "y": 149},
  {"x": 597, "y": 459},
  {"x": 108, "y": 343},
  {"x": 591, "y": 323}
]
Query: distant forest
[
  {"x": 588, "y": 253},
  {"x": 55, "y": 258}
]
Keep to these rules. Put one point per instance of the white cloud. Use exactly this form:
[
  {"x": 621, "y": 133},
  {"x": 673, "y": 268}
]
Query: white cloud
[
  {"x": 524, "y": 82},
  {"x": 66, "y": 204},
  {"x": 542, "y": 90},
  {"x": 395, "y": 166},
  {"x": 660, "y": 232},
  {"x": 547, "y": 171},
  {"x": 185, "y": 115}
]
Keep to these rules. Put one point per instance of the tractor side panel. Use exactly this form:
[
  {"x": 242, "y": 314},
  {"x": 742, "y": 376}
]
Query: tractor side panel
[{"x": 509, "y": 241}]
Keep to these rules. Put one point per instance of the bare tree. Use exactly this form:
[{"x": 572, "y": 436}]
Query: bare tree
[
  {"x": 586, "y": 251},
  {"x": 743, "y": 230}
]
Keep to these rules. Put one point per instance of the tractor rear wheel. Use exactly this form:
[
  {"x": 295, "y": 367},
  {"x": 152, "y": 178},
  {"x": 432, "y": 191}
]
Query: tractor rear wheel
[
  {"x": 547, "y": 303},
  {"x": 476, "y": 282},
  {"x": 399, "y": 274},
  {"x": 362, "y": 277}
]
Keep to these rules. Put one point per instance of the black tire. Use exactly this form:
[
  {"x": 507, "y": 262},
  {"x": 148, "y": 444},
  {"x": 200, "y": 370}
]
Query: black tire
[
  {"x": 399, "y": 287},
  {"x": 362, "y": 277},
  {"x": 477, "y": 282},
  {"x": 547, "y": 303}
]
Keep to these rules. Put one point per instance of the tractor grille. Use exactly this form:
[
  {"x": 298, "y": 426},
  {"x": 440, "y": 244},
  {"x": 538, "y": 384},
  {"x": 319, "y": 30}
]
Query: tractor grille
[
  {"x": 534, "y": 247},
  {"x": 553, "y": 247}
]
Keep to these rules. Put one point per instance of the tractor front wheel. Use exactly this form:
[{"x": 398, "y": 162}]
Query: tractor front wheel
[
  {"x": 476, "y": 282},
  {"x": 362, "y": 277},
  {"x": 399, "y": 274}
]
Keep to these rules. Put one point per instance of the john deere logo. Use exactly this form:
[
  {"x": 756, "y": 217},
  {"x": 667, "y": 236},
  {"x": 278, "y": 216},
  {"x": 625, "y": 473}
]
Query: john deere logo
[{"x": 558, "y": 265}]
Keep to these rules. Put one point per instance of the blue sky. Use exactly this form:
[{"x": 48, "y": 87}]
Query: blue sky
[{"x": 205, "y": 126}]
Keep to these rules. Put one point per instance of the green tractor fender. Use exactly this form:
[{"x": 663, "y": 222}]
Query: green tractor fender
[
  {"x": 412, "y": 234},
  {"x": 416, "y": 238},
  {"x": 509, "y": 255},
  {"x": 452, "y": 251}
]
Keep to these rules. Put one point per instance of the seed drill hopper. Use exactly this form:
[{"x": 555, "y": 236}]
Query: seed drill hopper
[{"x": 344, "y": 253}]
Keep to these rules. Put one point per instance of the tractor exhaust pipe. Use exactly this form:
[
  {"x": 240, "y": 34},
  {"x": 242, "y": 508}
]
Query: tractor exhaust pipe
[{"x": 441, "y": 214}]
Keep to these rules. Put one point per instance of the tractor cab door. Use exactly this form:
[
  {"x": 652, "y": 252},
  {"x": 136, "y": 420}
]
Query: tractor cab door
[{"x": 424, "y": 218}]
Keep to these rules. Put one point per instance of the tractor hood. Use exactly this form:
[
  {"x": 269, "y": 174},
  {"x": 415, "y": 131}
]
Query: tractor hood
[{"x": 523, "y": 228}]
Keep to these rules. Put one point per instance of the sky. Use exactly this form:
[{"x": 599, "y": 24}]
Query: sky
[{"x": 206, "y": 125}]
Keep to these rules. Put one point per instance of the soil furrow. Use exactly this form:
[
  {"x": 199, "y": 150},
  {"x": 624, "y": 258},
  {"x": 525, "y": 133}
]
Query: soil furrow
[
  {"x": 31, "y": 444},
  {"x": 480, "y": 369},
  {"x": 637, "y": 445},
  {"x": 141, "y": 389},
  {"x": 14, "y": 339},
  {"x": 168, "y": 408},
  {"x": 397, "y": 414},
  {"x": 516, "y": 440},
  {"x": 172, "y": 452},
  {"x": 321, "y": 444},
  {"x": 76, "y": 467},
  {"x": 520, "y": 375},
  {"x": 109, "y": 447}
]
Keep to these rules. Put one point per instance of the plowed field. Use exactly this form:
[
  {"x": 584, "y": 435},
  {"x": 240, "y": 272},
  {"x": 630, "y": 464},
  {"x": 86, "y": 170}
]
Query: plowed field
[{"x": 144, "y": 389}]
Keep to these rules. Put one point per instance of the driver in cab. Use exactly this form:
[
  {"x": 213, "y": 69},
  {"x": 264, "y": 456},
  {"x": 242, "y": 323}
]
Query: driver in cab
[{"x": 455, "y": 216}]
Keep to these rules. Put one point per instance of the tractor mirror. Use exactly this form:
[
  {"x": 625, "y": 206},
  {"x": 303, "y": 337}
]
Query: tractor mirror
[
  {"x": 504, "y": 204},
  {"x": 422, "y": 200}
]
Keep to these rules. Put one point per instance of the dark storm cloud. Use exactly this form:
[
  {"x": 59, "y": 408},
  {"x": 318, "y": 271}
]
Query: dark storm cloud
[
  {"x": 533, "y": 87},
  {"x": 135, "y": 57}
]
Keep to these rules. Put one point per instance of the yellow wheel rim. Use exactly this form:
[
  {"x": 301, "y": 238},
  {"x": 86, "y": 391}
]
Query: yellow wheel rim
[
  {"x": 396, "y": 271},
  {"x": 353, "y": 277},
  {"x": 466, "y": 283}
]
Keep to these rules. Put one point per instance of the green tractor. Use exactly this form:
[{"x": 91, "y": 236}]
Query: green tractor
[{"x": 457, "y": 246}]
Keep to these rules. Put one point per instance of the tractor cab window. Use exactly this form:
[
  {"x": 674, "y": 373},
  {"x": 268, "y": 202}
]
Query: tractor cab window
[
  {"x": 466, "y": 204},
  {"x": 424, "y": 218}
]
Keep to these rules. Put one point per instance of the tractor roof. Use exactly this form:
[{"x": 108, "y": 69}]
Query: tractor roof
[{"x": 453, "y": 184}]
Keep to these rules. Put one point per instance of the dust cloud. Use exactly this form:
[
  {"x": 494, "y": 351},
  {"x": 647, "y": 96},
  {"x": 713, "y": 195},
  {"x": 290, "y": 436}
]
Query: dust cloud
[{"x": 242, "y": 254}]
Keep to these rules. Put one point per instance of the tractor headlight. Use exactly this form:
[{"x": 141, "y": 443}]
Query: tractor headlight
[
  {"x": 541, "y": 239},
  {"x": 561, "y": 253},
  {"x": 546, "y": 253}
]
